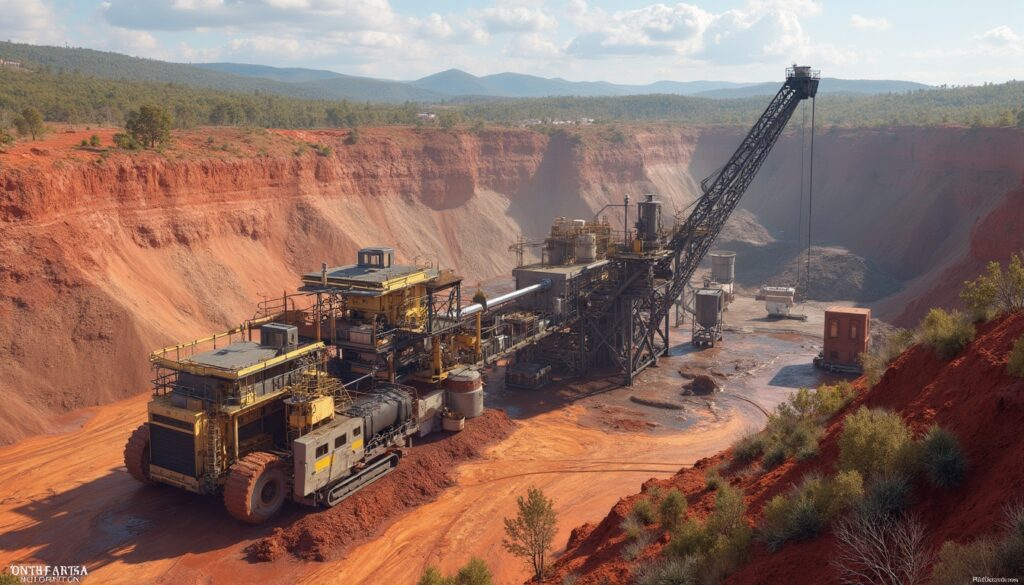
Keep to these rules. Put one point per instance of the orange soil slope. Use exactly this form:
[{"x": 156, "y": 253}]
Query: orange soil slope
[
  {"x": 972, "y": 396},
  {"x": 105, "y": 255}
]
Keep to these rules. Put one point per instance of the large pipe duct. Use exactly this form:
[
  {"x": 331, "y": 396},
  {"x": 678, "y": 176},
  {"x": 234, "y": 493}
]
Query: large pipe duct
[{"x": 475, "y": 308}]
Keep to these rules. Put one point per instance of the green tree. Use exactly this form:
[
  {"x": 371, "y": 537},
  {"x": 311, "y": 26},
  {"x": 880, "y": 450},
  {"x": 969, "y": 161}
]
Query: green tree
[
  {"x": 30, "y": 123},
  {"x": 530, "y": 533},
  {"x": 996, "y": 291},
  {"x": 150, "y": 126}
]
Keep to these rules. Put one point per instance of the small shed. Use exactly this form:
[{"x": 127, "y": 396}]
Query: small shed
[{"x": 846, "y": 336}]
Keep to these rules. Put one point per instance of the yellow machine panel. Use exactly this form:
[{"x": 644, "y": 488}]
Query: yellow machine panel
[{"x": 312, "y": 412}]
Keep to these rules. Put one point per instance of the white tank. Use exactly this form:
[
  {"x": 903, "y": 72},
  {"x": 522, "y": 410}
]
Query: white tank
[
  {"x": 469, "y": 404},
  {"x": 586, "y": 248},
  {"x": 723, "y": 267}
]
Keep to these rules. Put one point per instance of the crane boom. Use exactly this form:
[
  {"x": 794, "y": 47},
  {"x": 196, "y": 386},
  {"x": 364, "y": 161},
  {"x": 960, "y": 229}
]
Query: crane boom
[
  {"x": 627, "y": 321},
  {"x": 692, "y": 240}
]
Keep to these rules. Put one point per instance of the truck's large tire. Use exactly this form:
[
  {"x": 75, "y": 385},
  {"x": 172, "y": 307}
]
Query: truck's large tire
[
  {"x": 136, "y": 454},
  {"x": 256, "y": 487}
]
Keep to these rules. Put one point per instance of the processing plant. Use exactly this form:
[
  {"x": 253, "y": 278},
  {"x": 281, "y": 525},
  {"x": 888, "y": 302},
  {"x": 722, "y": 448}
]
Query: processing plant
[{"x": 318, "y": 394}]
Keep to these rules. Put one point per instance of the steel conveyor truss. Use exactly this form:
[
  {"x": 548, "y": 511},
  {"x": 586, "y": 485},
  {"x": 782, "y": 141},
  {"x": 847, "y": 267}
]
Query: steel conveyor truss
[{"x": 626, "y": 323}]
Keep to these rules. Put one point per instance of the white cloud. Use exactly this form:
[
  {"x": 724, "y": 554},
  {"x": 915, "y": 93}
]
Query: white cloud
[
  {"x": 503, "y": 18},
  {"x": 1000, "y": 35},
  {"x": 873, "y": 24},
  {"x": 760, "y": 31},
  {"x": 653, "y": 30},
  {"x": 435, "y": 27},
  {"x": 271, "y": 15},
  {"x": 533, "y": 46},
  {"x": 29, "y": 21}
]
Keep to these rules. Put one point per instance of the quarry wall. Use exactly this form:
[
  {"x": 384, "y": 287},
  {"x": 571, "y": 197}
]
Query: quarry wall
[{"x": 104, "y": 256}]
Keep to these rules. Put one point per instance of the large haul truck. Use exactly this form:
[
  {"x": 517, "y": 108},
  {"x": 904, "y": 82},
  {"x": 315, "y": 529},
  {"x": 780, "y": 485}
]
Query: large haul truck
[{"x": 261, "y": 422}]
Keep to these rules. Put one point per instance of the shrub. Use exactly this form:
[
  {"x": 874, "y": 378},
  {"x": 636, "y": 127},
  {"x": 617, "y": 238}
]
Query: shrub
[
  {"x": 94, "y": 141},
  {"x": 84, "y": 143},
  {"x": 884, "y": 351},
  {"x": 713, "y": 478},
  {"x": 643, "y": 511},
  {"x": 991, "y": 557},
  {"x": 960, "y": 563},
  {"x": 807, "y": 509},
  {"x": 1015, "y": 363},
  {"x": 727, "y": 554},
  {"x": 748, "y": 447},
  {"x": 125, "y": 141},
  {"x": 635, "y": 547},
  {"x": 631, "y": 526},
  {"x": 874, "y": 442},
  {"x": 323, "y": 150},
  {"x": 432, "y": 576},
  {"x": 996, "y": 291},
  {"x": 353, "y": 136},
  {"x": 946, "y": 332},
  {"x": 886, "y": 495},
  {"x": 729, "y": 510},
  {"x": 475, "y": 572},
  {"x": 667, "y": 572},
  {"x": 672, "y": 509},
  {"x": 720, "y": 545},
  {"x": 688, "y": 539},
  {"x": 773, "y": 457},
  {"x": 942, "y": 458}
]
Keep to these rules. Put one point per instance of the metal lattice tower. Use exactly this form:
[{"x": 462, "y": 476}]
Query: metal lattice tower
[{"x": 627, "y": 322}]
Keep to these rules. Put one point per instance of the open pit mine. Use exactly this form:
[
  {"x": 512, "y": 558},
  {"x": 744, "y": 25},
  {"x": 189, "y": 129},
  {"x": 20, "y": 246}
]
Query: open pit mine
[{"x": 365, "y": 355}]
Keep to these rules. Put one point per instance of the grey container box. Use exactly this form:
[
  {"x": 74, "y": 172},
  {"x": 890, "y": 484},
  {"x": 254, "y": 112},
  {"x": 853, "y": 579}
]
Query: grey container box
[
  {"x": 723, "y": 267},
  {"x": 708, "y": 306},
  {"x": 279, "y": 335}
]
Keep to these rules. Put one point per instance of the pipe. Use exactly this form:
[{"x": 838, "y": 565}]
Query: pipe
[{"x": 502, "y": 299}]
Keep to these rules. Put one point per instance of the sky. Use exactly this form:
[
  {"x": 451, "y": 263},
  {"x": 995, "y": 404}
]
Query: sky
[{"x": 622, "y": 41}]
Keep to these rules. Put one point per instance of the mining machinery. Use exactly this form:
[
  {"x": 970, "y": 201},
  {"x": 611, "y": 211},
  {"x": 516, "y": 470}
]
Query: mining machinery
[
  {"x": 626, "y": 320},
  {"x": 318, "y": 395}
]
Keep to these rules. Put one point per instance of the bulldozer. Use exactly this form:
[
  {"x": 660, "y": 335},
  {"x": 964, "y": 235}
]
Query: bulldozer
[{"x": 253, "y": 415}]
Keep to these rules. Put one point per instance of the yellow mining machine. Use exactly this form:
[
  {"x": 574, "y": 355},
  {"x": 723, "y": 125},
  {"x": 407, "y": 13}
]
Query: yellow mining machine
[{"x": 303, "y": 402}]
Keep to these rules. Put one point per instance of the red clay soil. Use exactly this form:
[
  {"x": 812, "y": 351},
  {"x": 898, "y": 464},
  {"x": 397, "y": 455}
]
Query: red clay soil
[
  {"x": 424, "y": 472},
  {"x": 972, "y": 396}
]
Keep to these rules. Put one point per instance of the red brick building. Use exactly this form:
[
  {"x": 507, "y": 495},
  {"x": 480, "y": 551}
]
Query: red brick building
[{"x": 847, "y": 332}]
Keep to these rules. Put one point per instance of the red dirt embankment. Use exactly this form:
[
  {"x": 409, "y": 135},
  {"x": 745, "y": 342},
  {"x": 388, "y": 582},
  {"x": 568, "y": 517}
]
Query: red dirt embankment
[
  {"x": 425, "y": 471},
  {"x": 105, "y": 255},
  {"x": 972, "y": 396}
]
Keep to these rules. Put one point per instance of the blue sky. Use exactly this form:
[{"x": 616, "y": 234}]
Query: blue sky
[{"x": 624, "y": 41}]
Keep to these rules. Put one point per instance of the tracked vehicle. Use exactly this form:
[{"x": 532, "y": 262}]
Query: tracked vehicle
[{"x": 251, "y": 413}]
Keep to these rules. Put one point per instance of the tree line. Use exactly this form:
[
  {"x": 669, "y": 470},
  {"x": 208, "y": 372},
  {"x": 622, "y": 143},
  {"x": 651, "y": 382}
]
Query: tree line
[{"x": 76, "y": 98}]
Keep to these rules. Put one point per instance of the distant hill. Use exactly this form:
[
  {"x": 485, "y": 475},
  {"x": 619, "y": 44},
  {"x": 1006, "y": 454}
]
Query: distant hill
[
  {"x": 446, "y": 86},
  {"x": 827, "y": 85},
  {"x": 285, "y": 74},
  {"x": 222, "y": 76}
]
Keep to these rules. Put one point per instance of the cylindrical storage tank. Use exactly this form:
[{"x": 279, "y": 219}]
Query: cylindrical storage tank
[
  {"x": 469, "y": 404},
  {"x": 723, "y": 267},
  {"x": 586, "y": 248},
  {"x": 649, "y": 219},
  {"x": 464, "y": 380},
  {"x": 557, "y": 252},
  {"x": 707, "y": 309},
  {"x": 466, "y": 392}
]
